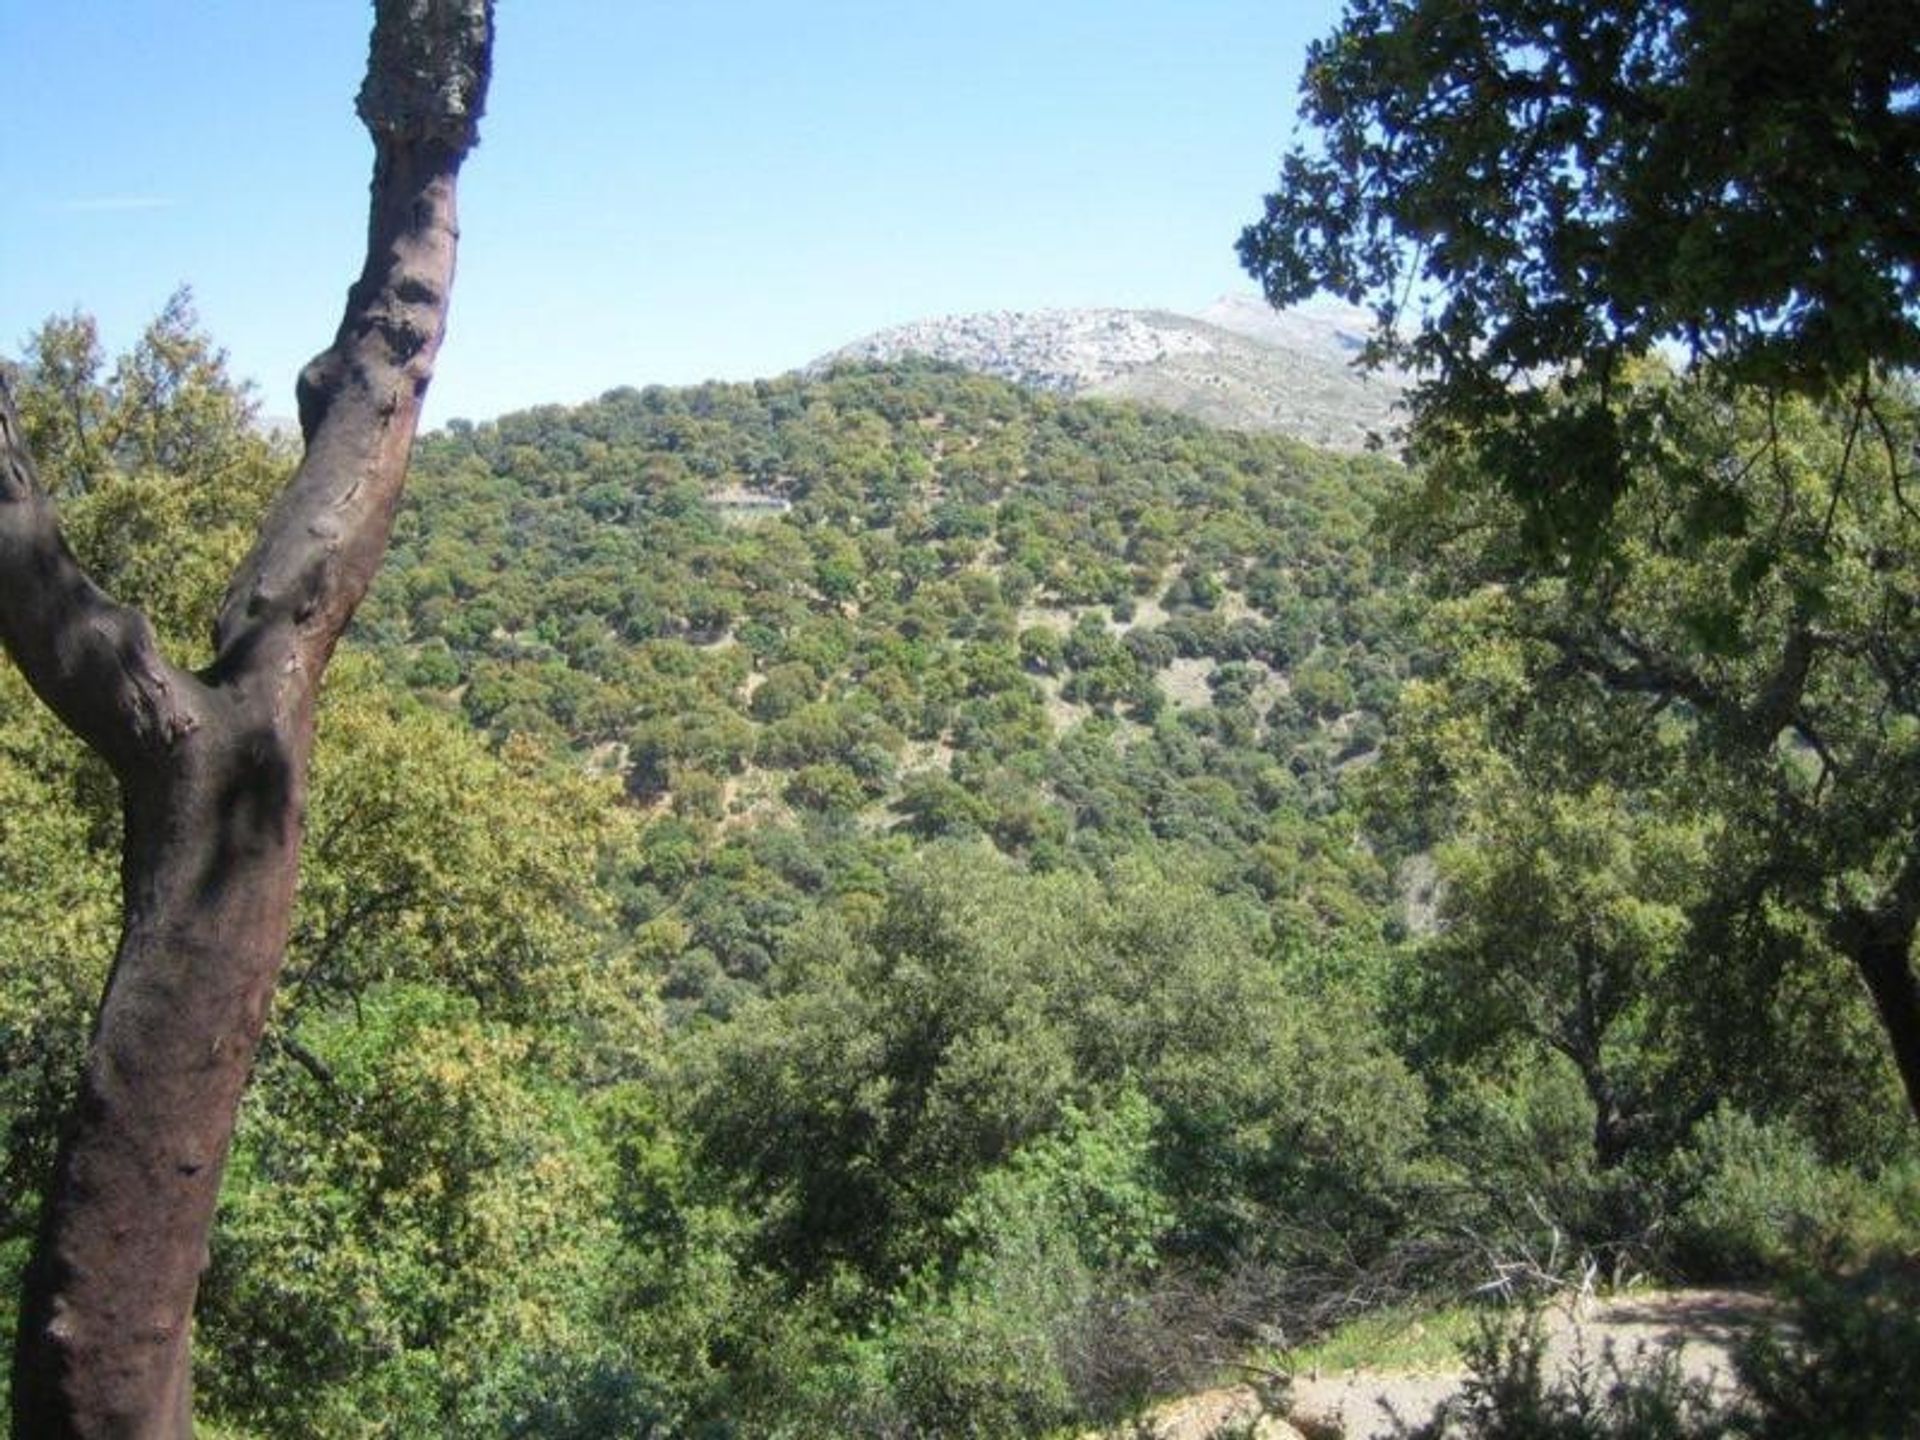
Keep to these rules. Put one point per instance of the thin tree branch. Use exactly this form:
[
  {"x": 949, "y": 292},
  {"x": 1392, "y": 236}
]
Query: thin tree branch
[
  {"x": 1642, "y": 671},
  {"x": 308, "y": 1061},
  {"x": 1889, "y": 442},
  {"x": 1626, "y": 664},
  {"x": 363, "y": 909},
  {"x": 1854, "y": 421}
]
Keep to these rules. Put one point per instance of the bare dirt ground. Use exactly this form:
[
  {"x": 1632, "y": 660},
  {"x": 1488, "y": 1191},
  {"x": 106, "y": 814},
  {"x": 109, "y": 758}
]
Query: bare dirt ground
[{"x": 1362, "y": 1404}]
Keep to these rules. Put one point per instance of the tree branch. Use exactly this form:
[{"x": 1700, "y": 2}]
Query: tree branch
[
  {"x": 360, "y": 399},
  {"x": 309, "y": 1062},
  {"x": 93, "y": 661},
  {"x": 1642, "y": 671},
  {"x": 1627, "y": 664}
]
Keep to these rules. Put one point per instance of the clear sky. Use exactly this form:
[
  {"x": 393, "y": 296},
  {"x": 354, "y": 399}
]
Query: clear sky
[{"x": 664, "y": 192}]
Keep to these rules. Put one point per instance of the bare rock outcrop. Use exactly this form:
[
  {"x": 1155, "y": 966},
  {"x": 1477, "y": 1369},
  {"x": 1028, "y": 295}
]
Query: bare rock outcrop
[{"x": 1238, "y": 365}]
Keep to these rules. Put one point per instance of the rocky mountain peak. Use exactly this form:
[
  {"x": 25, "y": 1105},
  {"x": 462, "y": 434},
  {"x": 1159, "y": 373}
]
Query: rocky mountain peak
[{"x": 1238, "y": 364}]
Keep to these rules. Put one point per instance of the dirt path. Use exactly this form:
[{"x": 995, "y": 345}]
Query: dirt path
[{"x": 1360, "y": 1404}]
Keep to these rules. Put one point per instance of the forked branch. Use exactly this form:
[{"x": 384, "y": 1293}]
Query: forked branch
[{"x": 94, "y": 662}]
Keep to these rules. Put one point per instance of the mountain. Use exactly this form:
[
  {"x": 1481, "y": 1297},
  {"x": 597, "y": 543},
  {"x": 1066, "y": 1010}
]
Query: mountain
[
  {"x": 914, "y": 600},
  {"x": 1238, "y": 364}
]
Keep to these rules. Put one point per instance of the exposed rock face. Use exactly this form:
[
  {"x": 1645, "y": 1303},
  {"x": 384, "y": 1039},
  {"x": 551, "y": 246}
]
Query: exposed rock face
[{"x": 1239, "y": 364}]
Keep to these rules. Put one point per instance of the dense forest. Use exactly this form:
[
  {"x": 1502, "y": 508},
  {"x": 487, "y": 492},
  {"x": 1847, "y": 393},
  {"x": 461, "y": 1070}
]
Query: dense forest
[{"x": 890, "y": 904}]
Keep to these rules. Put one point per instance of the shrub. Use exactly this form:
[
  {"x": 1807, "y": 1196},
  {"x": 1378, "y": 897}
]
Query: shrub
[
  {"x": 1847, "y": 1369},
  {"x": 1758, "y": 1201},
  {"x": 1048, "y": 1235}
]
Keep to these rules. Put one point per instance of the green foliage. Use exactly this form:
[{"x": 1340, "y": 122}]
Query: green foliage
[
  {"x": 161, "y": 475},
  {"x": 430, "y": 858},
  {"x": 1754, "y": 715},
  {"x": 1091, "y": 1187},
  {"x": 404, "y": 1236},
  {"x": 1849, "y": 1367},
  {"x": 889, "y": 1071},
  {"x": 1031, "y": 1328},
  {"x": 59, "y": 913},
  {"x": 1563, "y": 923},
  {"x": 1518, "y": 1131},
  {"x": 418, "y": 1197},
  {"x": 997, "y": 1349},
  {"x": 1547, "y": 192},
  {"x": 1560, "y": 194},
  {"x": 602, "y": 578},
  {"x": 1758, "y": 1201}
]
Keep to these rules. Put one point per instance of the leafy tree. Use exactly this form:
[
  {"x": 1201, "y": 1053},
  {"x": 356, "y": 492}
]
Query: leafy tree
[
  {"x": 166, "y": 408},
  {"x": 1779, "y": 686},
  {"x": 1564, "y": 921},
  {"x": 1541, "y": 193},
  {"x": 860, "y": 1103},
  {"x": 1561, "y": 189},
  {"x": 423, "y": 1238},
  {"x": 57, "y": 911},
  {"x": 212, "y": 769},
  {"x": 438, "y": 880},
  {"x": 1005, "y": 1345}
]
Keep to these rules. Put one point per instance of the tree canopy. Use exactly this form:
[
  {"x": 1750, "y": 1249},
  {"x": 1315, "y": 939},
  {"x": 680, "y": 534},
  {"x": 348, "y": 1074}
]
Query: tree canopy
[{"x": 1535, "y": 192}]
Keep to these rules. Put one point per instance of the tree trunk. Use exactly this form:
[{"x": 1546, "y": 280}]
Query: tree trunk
[
  {"x": 1884, "y": 958},
  {"x": 212, "y": 771},
  {"x": 211, "y": 851},
  {"x": 1878, "y": 940}
]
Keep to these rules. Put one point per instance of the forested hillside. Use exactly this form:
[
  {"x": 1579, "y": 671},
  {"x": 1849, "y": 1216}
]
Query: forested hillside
[
  {"x": 914, "y": 603},
  {"x": 890, "y": 904}
]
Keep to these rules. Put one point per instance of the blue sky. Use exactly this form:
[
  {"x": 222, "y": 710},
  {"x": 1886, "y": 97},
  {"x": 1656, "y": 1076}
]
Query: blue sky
[{"x": 665, "y": 192}]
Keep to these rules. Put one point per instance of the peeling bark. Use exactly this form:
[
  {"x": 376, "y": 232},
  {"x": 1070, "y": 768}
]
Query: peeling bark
[{"x": 213, "y": 772}]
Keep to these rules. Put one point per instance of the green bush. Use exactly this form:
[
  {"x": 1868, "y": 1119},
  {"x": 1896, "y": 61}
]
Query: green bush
[
  {"x": 423, "y": 1238},
  {"x": 1046, "y": 1235},
  {"x": 974, "y": 1368},
  {"x": 1524, "y": 1131},
  {"x": 1758, "y": 1201},
  {"x": 1847, "y": 1369}
]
